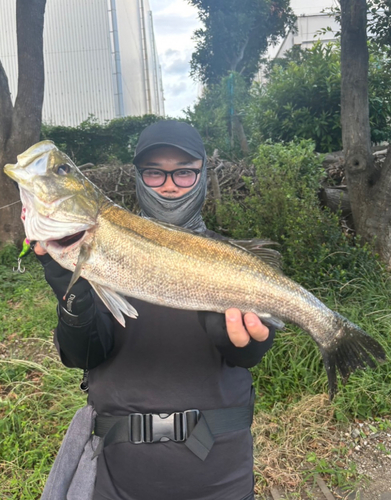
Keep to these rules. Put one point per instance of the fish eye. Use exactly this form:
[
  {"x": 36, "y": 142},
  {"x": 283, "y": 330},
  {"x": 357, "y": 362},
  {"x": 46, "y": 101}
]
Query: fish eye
[{"x": 63, "y": 169}]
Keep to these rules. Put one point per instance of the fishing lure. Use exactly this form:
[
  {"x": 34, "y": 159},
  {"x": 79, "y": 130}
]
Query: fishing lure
[{"x": 26, "y": 249}]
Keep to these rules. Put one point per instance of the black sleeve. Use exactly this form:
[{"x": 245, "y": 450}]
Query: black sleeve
[
  {"x": 84, "y": 334},
  {"x": 88, "y": 345},
  {"x": 246, "y": 357}
]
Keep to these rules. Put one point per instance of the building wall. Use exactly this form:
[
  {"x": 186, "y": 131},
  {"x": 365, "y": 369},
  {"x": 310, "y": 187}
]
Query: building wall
[
  {"x": 78, "y": 62},
  {"x": 143, "y": 92},
  {"x": 97, "y": 53},
  {"x": 309, "y": 31},
  {"x": 309, "y": 7},
  {"x": 8, "y": 49},
  {"x": 309, "y": 22}
]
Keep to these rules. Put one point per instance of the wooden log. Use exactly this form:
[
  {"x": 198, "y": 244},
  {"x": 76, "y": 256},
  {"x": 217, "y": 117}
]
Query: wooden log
[{"x": 336, "y": 200}]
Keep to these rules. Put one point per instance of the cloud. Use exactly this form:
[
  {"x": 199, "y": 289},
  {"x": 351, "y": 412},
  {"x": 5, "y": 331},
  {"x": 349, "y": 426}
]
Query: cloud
[
  {"x": 174, "y": 24},
  {"x": 177, "y": 88},
  {"x": 168, "y": 25},
  {"x": 178, "y": 67},
  {"x": 170, "y": 53}
]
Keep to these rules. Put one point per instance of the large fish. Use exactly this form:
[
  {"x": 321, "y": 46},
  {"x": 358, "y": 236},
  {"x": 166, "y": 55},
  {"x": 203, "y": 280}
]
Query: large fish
[{"x": 122, "y": 254}]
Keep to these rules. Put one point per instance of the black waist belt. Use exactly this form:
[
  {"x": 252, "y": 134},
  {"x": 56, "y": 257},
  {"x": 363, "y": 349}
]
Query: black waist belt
[{"x": 197, "y": 429}]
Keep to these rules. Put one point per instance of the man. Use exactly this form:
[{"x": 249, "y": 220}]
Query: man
[{"x": 182, "y": 376}]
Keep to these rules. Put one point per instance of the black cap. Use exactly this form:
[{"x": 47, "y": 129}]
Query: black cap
[{"x": 170, "y": 133}]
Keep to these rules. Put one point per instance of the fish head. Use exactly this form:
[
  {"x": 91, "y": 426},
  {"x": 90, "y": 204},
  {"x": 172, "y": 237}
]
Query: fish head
[{"x": 58, "y": 200}]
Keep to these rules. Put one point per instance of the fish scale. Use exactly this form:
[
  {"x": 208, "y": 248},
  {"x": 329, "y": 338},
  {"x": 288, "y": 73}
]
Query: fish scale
[{"x": 123, "y": 255}]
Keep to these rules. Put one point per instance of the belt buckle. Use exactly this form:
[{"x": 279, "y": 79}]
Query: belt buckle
[
  {"x": 161, "y": 427},
  {"x": 136, "y": 428}
]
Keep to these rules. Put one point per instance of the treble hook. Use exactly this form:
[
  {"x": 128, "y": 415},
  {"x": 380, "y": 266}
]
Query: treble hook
[{"x": 19, "y": 269}]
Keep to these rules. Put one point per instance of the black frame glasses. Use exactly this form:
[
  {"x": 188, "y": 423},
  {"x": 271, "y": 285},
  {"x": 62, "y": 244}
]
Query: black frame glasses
[{"x": 172, "y": 173}]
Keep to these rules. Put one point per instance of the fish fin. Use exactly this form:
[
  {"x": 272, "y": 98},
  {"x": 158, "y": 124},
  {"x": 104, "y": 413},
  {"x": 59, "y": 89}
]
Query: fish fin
[
  {"x": 269, "y": 320},
  {"x": 351, "y": 349},
  {"x": 259, "y": 248},
  {"x": 116, "y": 303},
  {"x": 84, "y": 255}
]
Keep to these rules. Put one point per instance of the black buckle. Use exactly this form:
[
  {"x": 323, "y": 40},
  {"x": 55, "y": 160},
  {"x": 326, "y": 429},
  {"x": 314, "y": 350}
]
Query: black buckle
[{"x": 160, "y": 427}]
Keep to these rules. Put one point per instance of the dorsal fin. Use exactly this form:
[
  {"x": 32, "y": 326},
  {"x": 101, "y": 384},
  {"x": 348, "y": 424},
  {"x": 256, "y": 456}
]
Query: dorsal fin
[{"x": 260, "y": 249}]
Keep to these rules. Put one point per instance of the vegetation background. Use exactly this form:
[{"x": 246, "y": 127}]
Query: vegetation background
[
  {"x": 279, "y": 201},
  {"x": 280, "y": 129}
]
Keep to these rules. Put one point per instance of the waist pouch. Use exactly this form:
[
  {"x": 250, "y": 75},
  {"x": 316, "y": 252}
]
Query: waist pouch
[{"x": 196, "y": 429}]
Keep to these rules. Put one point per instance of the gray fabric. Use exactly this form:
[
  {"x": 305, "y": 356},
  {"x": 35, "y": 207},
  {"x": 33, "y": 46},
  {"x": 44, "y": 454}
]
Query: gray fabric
[
  {"x": 83, "y": 482},
  {"x": 184, "y": 211},
  {"x": 72, "y": 476}
]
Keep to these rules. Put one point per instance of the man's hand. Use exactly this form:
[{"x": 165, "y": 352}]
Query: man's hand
[{"x": 242, "y": 329}]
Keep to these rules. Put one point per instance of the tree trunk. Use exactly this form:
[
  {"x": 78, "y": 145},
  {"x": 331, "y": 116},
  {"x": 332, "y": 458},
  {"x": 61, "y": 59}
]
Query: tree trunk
[
  {"x": 20, "y": 125},
  {"x": 239, "y": 132},
  {"x": 369, "y": 188}
]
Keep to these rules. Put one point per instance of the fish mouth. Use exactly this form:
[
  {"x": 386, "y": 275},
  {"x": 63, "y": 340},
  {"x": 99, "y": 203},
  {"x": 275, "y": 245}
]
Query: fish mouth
[{"x": 67, "y": 242}]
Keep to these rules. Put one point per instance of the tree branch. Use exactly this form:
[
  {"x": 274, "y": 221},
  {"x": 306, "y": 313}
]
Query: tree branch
[{"x": 236, "y": 60}]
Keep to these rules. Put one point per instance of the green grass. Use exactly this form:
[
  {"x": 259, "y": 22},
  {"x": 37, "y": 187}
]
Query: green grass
[
  {"x": 294, "y": 367},
  {"x": 38, "y": 396}
]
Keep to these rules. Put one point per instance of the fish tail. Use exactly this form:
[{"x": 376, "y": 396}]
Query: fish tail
[{"x": 351, "y": 349}]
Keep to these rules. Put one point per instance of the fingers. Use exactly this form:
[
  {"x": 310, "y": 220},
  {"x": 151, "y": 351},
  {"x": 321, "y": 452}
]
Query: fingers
[
  {"x": 38, "y": 249},
  {"x": 257, "y": 330},
  {"x": 242, "y": 329}
]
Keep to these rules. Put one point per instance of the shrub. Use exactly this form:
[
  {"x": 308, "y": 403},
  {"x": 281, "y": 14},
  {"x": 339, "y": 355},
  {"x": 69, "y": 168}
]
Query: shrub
[
  {"x": 302, "y": 98},
  {"x": 92, "y": 142},
  {"x": 281, "y": 204}
]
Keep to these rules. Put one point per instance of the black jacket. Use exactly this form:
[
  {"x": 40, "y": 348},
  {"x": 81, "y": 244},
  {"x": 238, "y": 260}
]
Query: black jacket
[{"x": 165, "y": 362}]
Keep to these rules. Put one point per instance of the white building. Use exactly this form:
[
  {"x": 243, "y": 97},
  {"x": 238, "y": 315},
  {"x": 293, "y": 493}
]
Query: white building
[
  {"x": 100, "y": 59},
  {"x": 309, "y": 29},
  {"x": 312, "y": 19}
]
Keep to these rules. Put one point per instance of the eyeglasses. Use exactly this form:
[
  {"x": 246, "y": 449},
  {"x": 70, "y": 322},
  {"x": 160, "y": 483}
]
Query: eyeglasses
[{"x": 181, "y": 177}]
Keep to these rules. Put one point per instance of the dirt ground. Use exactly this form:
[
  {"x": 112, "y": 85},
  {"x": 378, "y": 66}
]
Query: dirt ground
[{"x": 372, "y": 455}]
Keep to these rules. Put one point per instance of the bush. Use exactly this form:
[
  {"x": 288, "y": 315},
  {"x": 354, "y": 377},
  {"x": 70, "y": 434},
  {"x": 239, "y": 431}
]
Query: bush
[
  {"x": 302, "y": 98},
  {"x": 281, "y": 204},
  {"x": 92, "y": 142}
]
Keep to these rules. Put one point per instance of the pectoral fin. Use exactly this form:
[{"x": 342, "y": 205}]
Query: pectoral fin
[
  {"x": 116, "y": 303},
  {"x": 84, "y": 255}
]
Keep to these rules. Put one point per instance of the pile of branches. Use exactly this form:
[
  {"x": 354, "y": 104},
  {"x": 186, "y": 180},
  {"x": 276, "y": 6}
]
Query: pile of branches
[{"x": 117, "y": 181}]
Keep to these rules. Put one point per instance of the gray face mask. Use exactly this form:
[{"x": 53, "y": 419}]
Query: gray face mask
[{"x": 184, "y": 211}]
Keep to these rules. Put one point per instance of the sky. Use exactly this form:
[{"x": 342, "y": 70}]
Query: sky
[{"x": 174, "y": 24}]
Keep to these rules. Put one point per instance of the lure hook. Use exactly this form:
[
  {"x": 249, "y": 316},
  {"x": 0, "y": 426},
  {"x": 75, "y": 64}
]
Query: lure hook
[{"x": 19, "y": 269}]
